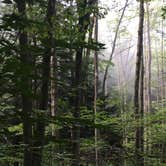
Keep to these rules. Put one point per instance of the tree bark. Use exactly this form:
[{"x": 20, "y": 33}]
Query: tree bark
[
  {"x": 77, "y": 85},
  {"x": 149, "y": 61},
  {"x": 96, "y": 90},
  {"x": 163, "y": 80},
  {"x": 138, "y": 94},
  {"x": 53, "y": 87},
  {"x": 50, "y": 52},
  {"x": 26, "y": 60}
]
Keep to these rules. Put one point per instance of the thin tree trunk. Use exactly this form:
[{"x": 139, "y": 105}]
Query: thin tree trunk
[
  {"x": 142, "y": 113},
  {"x": 27, "y": 85},
  {"x": 96, "y": 90},
  {"x": 146, "y": 68},
  {"x": 158, "y": 76},
  {"x": 113, "y": 49},
  {"x": 53, "y": 105},
  {"x": 147, "y": 78},
  {"x": 149, "y": 60},
  {"x": 138, "y": 95},
  {"x": 163, "y": 147},
  {"x": 162, "y": 65},
  {"x": 53, "y": 86}
]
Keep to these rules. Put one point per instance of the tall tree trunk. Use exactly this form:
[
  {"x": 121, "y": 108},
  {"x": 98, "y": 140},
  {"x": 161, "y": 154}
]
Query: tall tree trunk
[
  {"x": 163, "y": 80},
  {"x": 141, "y": 113},
  {"x": 83, "y": 24},
  {"x": 162, "y": 64},
  {"x": 113, "y": 49},
  {"x": 87, "y": 60},
  {"x": 96, "y": 90},
  {"x": 138, "y": 95},
  {"x": 53, "y": 88},
  {"x": 76, "y": 112},
  {"x": 149, "y": 60},
  {"x": 26, "y": 60},
  {"x": 50, "y": 52},
  {"x": 77, "y": 84},
  {"x": 158, "y": 75},
  {"x": 147, "y": 78}
]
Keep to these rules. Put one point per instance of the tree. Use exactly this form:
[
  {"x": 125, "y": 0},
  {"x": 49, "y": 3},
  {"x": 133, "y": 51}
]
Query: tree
[
  {"x": 83, "y": 23},
  {"x": 96, "y": 75},
  {"x": 138, "y": 94},
  {"x": 26, "y": 60},
  {"x": 113, "y": 47},
  {"x": 148, "y": 109},
  {"x": 43, "y": 105}
]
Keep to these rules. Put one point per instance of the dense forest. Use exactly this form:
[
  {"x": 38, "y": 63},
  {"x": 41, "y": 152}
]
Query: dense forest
[{"x": 82, "y": 83}]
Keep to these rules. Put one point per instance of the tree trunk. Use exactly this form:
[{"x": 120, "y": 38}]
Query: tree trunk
[
  {"x": 158, "y": 75},
  {"x": 50, "y": 52},
  {"x": 77, "y": 85},
  {"x": 87, "y": 60},
  {"x": 149, "y": 61},
  {"x": 26, "y": 60},
  {"x": 96, "y": 90},
  {"x": 138, "y": 95},
  {"x": 113, "y": 49},
  {"x": 53, "y": 88},
  {"x": 83, "y": 24},
  {"x": 163, "y": 146}
]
